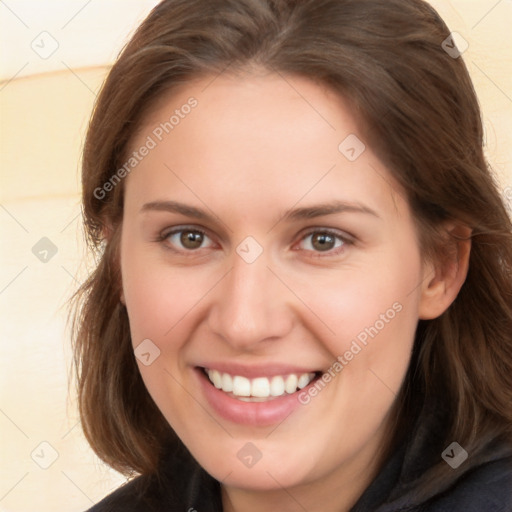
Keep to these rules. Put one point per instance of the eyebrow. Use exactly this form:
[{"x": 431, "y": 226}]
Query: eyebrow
[{"x": 303, "y": 213}]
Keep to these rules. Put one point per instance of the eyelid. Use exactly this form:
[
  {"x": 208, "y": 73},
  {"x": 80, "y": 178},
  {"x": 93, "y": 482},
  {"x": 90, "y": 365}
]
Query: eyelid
[
  {"x": 166, "y": 233},
  {"x": 346, "y": 238},
  {"x": 343, "y": 235},
  {"x": 176, "y": 229}
]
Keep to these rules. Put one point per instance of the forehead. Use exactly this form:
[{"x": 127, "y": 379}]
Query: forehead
[{"x": 270, "y": 137}]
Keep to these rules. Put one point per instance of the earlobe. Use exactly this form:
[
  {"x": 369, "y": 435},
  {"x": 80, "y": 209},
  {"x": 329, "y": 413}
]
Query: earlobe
[{"x": 442, "y": 281}]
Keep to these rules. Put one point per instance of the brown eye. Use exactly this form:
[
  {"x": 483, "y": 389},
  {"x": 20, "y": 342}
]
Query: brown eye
[
  {"x": 323, "y": 241},
  {"x": 187, "y": 239},
  {"x": 191, "y": 239}
]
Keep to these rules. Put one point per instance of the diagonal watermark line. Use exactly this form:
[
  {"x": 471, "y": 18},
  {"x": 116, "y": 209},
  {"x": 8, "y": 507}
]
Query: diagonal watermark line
[
  {"x": 3, "y": 3},
  {"x": 223, "y": 480},
  {"x": 13, "y": 279},
  {"x": 13, "y": 487},
  {"x": 388, "y": 182},
  {"x": 286, "y": 491},
  {"x": 381, "y": 175},
  {"x": 298, "y": 92},
  {"x": 70, "y": 274},
  {"x": 430, "y": 276},
  {"x": 77, "y": 486},
  {"x": 216, "y": 76},
  {"x": 206, "y": 206},
  {"x": 192, "y": 307},
  {"x": 75, "y": 15},
  {"x": 9, "y": 418},
  {"x": 70, "y": 430},
  {"x": 301, "y": 300},
  {"x": 70, "y": 222},
  {"x": 382, "y": 381},
  {"x": 78, "y": 77},
  {"x": 279, "y": 424},
  {"x": 305, "y": 194},
  {"x": 486, "y": 14},
  {"x": 14, "y": 76},
  {"x": 492, "y": 81},
  {"x": 14, "y": 218},
  {"x": 197, "y": 401}
]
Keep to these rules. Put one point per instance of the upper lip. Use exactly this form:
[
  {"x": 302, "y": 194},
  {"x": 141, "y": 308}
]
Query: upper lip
[{"x": 260, "y": 370}]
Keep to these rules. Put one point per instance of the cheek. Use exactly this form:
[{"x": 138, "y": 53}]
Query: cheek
[
  {"x": 159, "y": 301},
  {"x": 373, "y": 313},
  {"x": 157, "y": 296}
]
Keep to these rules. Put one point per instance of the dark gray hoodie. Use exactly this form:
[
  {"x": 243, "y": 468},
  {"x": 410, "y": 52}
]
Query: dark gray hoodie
[{"x": 482, "y": 483}]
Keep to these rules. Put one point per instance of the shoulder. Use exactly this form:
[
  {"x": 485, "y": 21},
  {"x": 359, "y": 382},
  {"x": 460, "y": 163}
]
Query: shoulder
[
  {"x": 485, "y": 488},
  {"x": 138, "y": 495},
  {"x": 180, "y": 484}
]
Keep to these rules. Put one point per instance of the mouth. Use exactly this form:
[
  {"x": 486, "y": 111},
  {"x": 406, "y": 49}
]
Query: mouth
[{"x": 259, "y": 389}]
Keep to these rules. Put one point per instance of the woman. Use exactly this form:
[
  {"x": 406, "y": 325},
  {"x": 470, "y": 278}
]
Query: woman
[{"x": 303, "y": 298}]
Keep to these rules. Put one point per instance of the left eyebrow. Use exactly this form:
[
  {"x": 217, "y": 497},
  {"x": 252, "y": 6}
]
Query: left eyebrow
[
  {"x": 294, "y": 214},
  {"x": 176, "y": 207},
  {"x": 331, "y": 208}
]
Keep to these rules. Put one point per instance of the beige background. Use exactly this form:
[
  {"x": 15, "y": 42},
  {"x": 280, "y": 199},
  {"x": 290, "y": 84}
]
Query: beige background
[{"x": 45, "y": 104}]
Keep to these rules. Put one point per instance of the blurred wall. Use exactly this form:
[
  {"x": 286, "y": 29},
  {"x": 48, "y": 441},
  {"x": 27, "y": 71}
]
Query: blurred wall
[{"x": 54, "y": 56}]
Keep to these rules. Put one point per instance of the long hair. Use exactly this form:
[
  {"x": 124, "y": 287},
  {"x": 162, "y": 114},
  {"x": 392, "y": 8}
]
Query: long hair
[{"x": 418, "y": 111}]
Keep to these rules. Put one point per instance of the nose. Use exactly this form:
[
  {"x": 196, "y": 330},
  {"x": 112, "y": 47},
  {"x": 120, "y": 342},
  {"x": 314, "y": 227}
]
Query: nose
[{"x": 250, "y": 306}]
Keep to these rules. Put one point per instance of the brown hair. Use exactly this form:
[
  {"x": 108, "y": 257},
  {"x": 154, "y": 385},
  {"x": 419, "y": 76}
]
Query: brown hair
[{"x": 421, "y": 116}]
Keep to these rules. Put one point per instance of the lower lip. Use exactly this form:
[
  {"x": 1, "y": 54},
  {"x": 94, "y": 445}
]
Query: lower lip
[{"x": 259, "y": 414}]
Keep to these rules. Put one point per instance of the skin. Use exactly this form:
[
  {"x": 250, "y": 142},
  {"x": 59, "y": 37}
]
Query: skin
[{"x": 252, "y": 149}]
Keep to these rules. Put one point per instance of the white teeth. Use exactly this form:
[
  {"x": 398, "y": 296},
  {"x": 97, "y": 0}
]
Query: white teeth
[
  {"x": 227, "y": 382},
  {"x": 216, "y": 378},
  {"x": 261, "y": 387},
  {"x": 290, "y": 384},
  {"x": 277, "y": 386},
  {"x": 304, "y": 380},
  {"x": 241, "y": 386}
]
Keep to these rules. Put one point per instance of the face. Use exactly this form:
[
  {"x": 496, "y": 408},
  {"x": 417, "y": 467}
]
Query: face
[{"x": 272, "y": 277}]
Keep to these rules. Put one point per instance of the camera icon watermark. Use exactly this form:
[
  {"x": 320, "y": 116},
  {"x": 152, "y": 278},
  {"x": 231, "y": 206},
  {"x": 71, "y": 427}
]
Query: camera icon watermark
[
  {"x": 44, "y": 455},
  {"x": 147, "y": 352},
  {"x": 351, "y": 147},
  {"x": 44, "y": 250},
  {"x": 454, "y": 45},
  {"x": 45, "y": 45},
  {"x": 249, "y": 249},
  {"x": 249, "y": 455},
  {"x": 454, "y": 455}
]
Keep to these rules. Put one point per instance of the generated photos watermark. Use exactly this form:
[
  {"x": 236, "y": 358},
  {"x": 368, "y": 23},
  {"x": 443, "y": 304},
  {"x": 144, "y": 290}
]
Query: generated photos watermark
[
  {"x": 151, "y": 142},
  {"x": 356, "y": 346}
]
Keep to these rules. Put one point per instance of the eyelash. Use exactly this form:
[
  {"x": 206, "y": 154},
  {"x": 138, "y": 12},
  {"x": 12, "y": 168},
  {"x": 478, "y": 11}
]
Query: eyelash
[{"x": 345, "y": 239}]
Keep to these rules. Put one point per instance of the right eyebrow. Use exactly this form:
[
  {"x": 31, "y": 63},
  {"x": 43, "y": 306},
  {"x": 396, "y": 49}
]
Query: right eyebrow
[{"x": 176, "y": 207}]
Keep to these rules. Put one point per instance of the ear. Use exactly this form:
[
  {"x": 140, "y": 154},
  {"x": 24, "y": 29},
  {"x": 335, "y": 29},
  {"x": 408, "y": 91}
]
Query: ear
[{"x": 442, "y": 280}]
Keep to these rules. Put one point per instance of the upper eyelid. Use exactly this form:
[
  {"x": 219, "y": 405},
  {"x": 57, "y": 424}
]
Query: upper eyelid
[
  {"x": 342, "y": 235},
  {"x": 306, "y": 231},
  {"x": 177, "y": 229}
]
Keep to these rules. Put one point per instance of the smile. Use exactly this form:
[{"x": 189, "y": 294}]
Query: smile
[{"x": 260, "y": 388}]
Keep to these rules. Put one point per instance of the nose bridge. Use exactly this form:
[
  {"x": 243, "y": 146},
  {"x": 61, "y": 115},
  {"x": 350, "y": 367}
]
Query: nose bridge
[{"x": 249, "y": 307}]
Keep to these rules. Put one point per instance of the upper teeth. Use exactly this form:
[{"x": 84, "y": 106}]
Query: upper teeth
[{"x": 261, "y": 387}]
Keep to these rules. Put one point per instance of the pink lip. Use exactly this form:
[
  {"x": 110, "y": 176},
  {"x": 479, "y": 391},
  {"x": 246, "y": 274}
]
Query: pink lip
[
  {"x": 259, "y": 414},
  {"x": 252, "y": 372}
]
